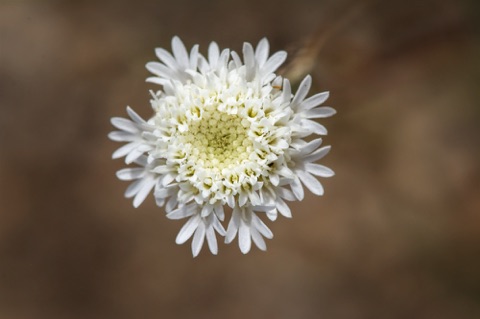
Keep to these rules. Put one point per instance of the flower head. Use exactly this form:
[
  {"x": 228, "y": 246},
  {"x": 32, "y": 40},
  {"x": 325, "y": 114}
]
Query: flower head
[{"x": 224, "y": 133}]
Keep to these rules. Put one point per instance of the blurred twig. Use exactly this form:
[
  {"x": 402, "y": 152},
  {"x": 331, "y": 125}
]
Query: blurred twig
[{"x": 305, "y": 53}]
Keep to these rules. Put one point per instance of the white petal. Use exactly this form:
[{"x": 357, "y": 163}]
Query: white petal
[
  {"x": 282, "y": 144},
  {"x": 242, "y": 200},
  {"x": 213, "y": 54},
  {"x": 147, "y": 186},
  {"x": 286, "y": 172},
  {"x": 124, "y": 124},
  {"x": 122, "y": 136},
  {"x": 297, "y": 188},
  {"x": 223, "y": 59},
  {"x": 156, "y": 80},
  {"x": 244, "y": 239},
  {"x": 261, "y": 227},
  {"x": 161, "y": 70},
  {"x": 274, "y": 62},
  {"x": 283, "y": 208},
  {"x": 128, "y": 174},
  {"x": 311, "y": 146},
  {"x": 268, "y": 78},
  {"x": 314, "y": 127},
  {"x": 232, "y": 227},
  {"x": 194, "y": 57},
  {"x": 162, "y": 169},
  {"x": 277, "y": 83},
  {"x": 133, "y": 188},
  {"x": 258, "y": 239},
  {"x": 302, "y": 91},
  {"x": 142, "y": 160},
  {"x": 314, "y": 100},
  {"x": 236, "y": 59},
  {"x": 134, "y": 116},
  {"x": 272, "y": 214},
  {"x": 219, "y": 211},
  {"x": 167, "y": 179},
  {"x": 198, "y": 239},
  {"x": 168, "y": 88},
  {"x": 180, "y": 52},
  {"x": 160, "y": 201},
  {"x": 274, "y": 179},
  {"x": 287, "y": 91},
  {"x": 219, "y": 227},
  {"x": 254, "y": 198},
  {"x": 206, "y": 210},
  {"x": 133, "y": 155},
  {"x": 263, "y": 209},
  {"x": 172, "y": 202},
  {"x": 311, "y": 183},
  {"x": 286, "y": 194},
  {"x": 249, "y": 60},
  {"x": 203, "y": 65},
  {"x": 319, "y": 170},
  {"x": 162, "y": 192},
  {"x": 182, "y": 212},
  {"x": 166, "y": 58},
  {"x": 212, "y": 240},
  {"x": 187, "y": 230},
  {"x": 142, "y": 147},
  {"x": 231, "y": 201},
  {"x": 261, "y": 53},
  {"x": 318, "y": 154},
  {"x": 320, "y": 112}
]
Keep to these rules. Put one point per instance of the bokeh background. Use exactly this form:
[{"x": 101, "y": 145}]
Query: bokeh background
[{"x": 397, "y": 234}]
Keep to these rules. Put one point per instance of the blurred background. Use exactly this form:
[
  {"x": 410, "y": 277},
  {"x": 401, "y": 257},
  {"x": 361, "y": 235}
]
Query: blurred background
[{"x": 397, "y": 234}]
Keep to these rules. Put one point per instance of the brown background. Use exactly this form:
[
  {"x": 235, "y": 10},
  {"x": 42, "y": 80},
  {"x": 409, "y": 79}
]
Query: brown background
[{"x": 397, "y": 234}]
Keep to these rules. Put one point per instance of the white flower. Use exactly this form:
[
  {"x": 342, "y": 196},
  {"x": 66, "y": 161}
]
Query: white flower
[{"x": 224, "y": 133}]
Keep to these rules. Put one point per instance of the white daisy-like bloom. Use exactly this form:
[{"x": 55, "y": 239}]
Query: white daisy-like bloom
[{"x": 225, "y": 133}]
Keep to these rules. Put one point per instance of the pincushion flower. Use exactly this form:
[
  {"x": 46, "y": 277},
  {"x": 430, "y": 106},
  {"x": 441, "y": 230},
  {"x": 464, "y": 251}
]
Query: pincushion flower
[{"x": 225, "y": 133}]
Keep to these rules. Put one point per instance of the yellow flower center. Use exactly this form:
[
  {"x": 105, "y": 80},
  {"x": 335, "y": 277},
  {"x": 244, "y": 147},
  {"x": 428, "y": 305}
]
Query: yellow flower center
[{"x": 219, "y": 140}]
